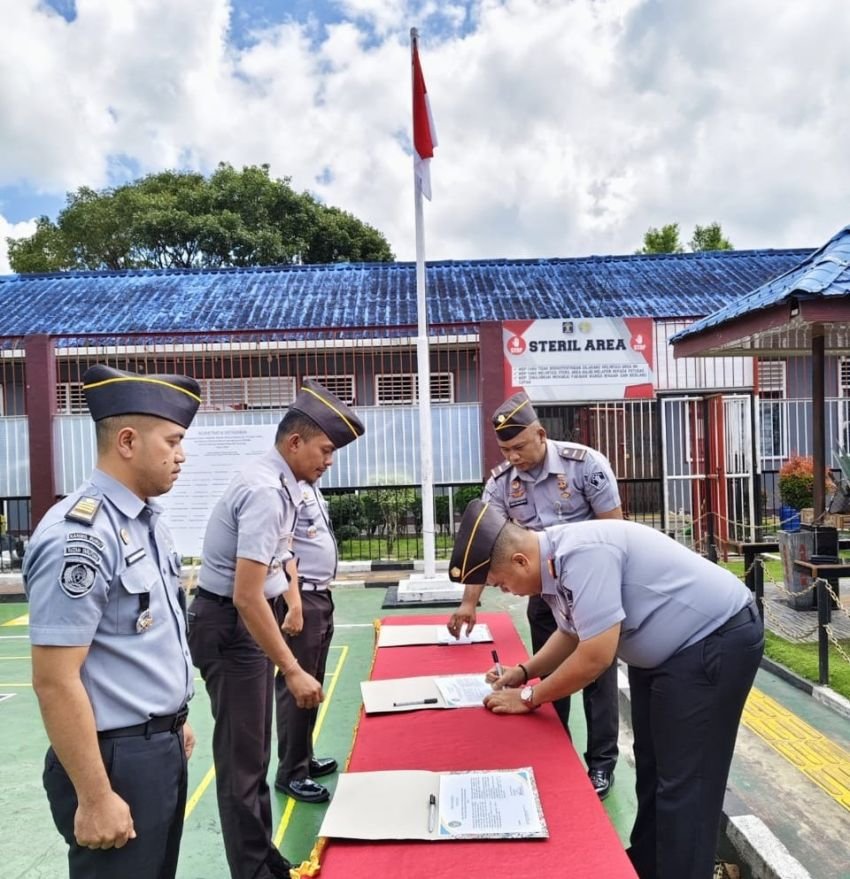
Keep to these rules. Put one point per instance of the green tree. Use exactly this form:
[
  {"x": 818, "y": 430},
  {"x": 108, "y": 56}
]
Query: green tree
[
  {"x": 666, "y": 239},
  {"x": 181, "y": 219},
  {"x": 346, "y": 514},
  {"x": 466, "y": 494},
  {"x": 663, "y": 240},
  {"x": 709, "y": 237}
]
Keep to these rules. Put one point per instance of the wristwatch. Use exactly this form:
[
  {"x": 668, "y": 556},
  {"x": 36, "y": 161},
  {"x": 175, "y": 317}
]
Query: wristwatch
[{"x": 526, "y": 695}]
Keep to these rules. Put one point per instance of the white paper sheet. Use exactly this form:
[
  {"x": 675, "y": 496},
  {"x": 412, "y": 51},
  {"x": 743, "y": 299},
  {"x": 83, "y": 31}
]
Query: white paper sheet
[
  {"x": 411, "y": 636},
  {"x": 463, "y": 691}
]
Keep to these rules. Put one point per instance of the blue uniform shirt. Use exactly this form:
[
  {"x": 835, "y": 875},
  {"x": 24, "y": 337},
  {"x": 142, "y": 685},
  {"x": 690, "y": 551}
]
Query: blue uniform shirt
[
  {"x": 575, "y": 483},
  {"x": 112, "y": 585},
  {"x": 608, "y": 571},
  {"x": 314, "y": 545},
  {"x": 255, "y": 520}
]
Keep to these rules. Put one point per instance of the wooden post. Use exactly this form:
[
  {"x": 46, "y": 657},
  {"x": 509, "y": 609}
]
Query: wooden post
[{"x": 40, "y": 400}]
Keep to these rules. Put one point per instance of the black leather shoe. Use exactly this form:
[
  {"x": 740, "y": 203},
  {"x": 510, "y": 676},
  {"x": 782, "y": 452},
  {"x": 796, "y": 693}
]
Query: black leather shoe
[
  {"x": 320, "y": 766},
  {"x": 602, "y": 781},
  {"x": 304, "y": 789}
]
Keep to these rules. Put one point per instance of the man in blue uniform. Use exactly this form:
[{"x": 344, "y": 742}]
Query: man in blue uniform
[
  {"x": 235, "y": 636},
  {"x": 111, "y": 665},
  {"x": 309, "y": 638},
  {"x": 543, "y": 482},
  {"x": 688, "y": 630}
]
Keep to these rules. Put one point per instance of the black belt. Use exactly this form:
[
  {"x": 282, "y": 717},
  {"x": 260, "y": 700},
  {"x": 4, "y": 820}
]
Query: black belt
[
  {"x": 167, "y": 723},
  {"x": 212, "y": 596},
  {"x": 743, "y": 615}
]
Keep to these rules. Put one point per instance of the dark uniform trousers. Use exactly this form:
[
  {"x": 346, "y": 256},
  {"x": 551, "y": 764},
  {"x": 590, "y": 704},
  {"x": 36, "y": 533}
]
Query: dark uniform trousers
[
  {"x": 295, "y": 725},
  {"x": 239, "y": 681},
  {"x": 685, "y": 716},
  {"x": 150, "y": 775},
  {"x": 601, "y": 707}
]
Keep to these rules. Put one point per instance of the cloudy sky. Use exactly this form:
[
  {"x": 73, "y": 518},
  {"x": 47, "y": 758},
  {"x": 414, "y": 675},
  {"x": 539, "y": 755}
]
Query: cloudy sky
[{"x": 566, "y": 127}]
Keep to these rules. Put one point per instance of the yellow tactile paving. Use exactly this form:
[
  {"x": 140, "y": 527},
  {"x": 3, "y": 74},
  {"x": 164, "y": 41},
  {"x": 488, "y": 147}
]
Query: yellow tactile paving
[{"x": 822, "y": 761}]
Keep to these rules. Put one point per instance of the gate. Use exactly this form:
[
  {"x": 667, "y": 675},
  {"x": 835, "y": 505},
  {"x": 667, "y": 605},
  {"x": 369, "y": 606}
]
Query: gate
[{"x": 707, "y": 470}]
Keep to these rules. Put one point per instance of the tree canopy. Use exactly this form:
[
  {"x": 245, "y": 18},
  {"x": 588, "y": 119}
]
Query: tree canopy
[
  {"x": 666, "y": 239},
  {"x": 181, "y": 219}
]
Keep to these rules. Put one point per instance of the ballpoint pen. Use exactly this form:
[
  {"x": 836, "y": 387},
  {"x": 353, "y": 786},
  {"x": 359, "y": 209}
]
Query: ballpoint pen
[
  {"x": 499, "y": 670},
  {"x": 432, "y": 813},
  {"x": 432, "y": 701}
]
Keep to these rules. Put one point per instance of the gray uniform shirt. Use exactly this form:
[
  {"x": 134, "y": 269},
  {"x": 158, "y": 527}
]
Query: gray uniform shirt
[
  {"x": 665, "y": 596},
  {"x": 254, "y": 520},
  {"x": 88, "y": 586},
  {"x": 314, "y": 545},
  {"x": 575, "y": 483}
]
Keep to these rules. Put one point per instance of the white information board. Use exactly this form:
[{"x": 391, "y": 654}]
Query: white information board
[{"x": 213, "y": 455}]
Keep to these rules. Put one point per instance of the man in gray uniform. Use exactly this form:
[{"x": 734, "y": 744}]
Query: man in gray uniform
[
  {"x": 688, "y": 630},
  {"x": 542, "y": 483},
  {"x": 316, "y": 555},
  {"x": 110, "y": 661},
  {"x": 234, "y": 634}
]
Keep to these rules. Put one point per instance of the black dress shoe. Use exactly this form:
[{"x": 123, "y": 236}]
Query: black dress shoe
[
  {"x": 320, "y": 766},
  {"x": 602, "y": 781},
  {"x": 304, "y": 789}
]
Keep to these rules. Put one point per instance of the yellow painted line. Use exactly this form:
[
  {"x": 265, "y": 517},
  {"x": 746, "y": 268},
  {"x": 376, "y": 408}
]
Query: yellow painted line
[
  {"x": 25, "y": 686},
  {"x": 818, "y": 758},
  {"x": 7, "y": 658},
  {"x": 290, "y": 805},
  {"x": 200, "y": 790},
  {"x": 18, "y": 621},
  {"x": 206, "y": 781}
]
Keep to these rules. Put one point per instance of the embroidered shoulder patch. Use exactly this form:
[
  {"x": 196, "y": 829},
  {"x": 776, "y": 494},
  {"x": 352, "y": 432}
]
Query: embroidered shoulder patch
[
  {"x": 77, "y": 578},
  {"x": 84, "y": 510},
  {"x": 573, "y": 453},
  {"x": 501, "y": 470}
]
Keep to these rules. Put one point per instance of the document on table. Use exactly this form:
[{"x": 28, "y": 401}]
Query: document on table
[
  {"x": 416, "y": 694},
  {"x": 415, "y": 804},
  {"x": 411, "y": 636}
]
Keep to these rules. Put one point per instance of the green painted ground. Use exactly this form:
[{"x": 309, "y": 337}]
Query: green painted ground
[{"x": 33, "y": 850}]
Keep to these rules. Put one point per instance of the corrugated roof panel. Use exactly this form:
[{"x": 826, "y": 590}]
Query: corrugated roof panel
[{"x": 380, "y": 295}]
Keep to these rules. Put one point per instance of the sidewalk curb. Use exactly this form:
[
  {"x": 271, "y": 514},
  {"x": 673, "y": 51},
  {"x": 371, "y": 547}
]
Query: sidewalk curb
[
  {"x": 822, "y": 694},
  {"x": 756, "y": 844}
]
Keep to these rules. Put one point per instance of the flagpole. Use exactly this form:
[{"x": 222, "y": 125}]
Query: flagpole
[{"x": 423, "y": 361}]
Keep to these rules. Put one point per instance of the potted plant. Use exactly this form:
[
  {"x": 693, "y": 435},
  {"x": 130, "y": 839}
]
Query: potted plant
[{"x": 796, "y": 490}]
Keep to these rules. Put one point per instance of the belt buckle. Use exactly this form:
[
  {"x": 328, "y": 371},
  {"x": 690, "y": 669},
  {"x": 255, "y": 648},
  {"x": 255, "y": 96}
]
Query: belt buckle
[{"x": 180, "y": 718}]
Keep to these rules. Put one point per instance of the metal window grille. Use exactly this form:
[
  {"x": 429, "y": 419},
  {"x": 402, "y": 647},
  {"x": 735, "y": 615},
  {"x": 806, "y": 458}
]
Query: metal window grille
[
  {"x": 844, "y": 377},
  {"x": 402, "y": 389},
  {"x": 771, "y": 378},
  {"x": 341, "y": 386},
  {"x": 256, "y": 392},
  {"x": 70, "y": 399}
]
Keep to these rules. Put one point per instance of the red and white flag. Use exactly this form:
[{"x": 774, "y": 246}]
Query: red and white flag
[{"x": 424, "y": 133}]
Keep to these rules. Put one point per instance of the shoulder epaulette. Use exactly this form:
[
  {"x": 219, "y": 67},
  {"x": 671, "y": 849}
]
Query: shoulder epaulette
[
  {"x": 574, "y": 452},
  {"x": 84, "y": 510},
  {"x": 501, "y": 470}
]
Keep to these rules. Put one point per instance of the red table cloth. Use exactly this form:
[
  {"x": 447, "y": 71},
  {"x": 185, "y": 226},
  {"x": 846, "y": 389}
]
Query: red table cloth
[{"x": 582, "y": 842}]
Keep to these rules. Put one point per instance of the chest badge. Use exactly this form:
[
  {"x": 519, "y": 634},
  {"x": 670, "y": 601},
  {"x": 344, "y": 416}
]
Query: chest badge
[
  {"x": 312, "y": 530},
  {"x": 144, "y": 621},
  {"x": 562, "y": 486}
]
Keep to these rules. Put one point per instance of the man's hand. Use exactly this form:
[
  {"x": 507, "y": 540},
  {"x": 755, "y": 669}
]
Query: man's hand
[
  {"x": 464, "y": 615},
  {"x": 189, "y": 740},
  {"x": 293, "y": 622},
  {"x": 305, "y": 689},
  {"x": 510, "y": 677},
  {"x": 506, "y": 702},
  {"x": 103, "y": 824}
]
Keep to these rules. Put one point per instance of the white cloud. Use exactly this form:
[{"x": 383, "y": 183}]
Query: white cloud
[
  {"x": 565, "y": 128},
  {"x": 12, "y": 230}
]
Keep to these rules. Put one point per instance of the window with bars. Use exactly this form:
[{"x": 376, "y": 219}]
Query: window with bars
[
  {"x": 844, "y": 376},
  {"x": 70, "y": 399},
  {"x": 258, "y": 392},
  {"x": 402, "y": 389},
  {"x": 773, "y": 415},
  {"x": 341, "y": 386}
]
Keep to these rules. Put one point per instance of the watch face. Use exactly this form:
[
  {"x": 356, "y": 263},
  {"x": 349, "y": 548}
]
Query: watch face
[{"x": 526, "y": 693}]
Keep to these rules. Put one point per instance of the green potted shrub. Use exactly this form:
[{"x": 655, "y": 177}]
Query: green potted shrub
[{"x": 796, "y": 490}]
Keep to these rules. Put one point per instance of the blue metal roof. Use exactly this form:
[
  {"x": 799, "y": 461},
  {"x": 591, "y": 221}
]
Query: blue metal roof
[
  {"x": 311, "y": 299},
  {"x": 824, "y": 273}
]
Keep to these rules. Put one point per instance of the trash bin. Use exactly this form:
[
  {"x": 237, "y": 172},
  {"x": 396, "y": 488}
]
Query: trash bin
[
  {"x": 821, "y": 559},
  {"x": 794, "y": 546}
]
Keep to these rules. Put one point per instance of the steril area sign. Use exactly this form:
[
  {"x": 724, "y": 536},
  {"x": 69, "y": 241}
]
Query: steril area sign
[{"x": 601, "y": 358}]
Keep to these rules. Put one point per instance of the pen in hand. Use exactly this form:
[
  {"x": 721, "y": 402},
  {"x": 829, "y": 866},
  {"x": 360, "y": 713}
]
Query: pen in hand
[
  {"x": 499, "y": 670},
  {"x": 432, "y": 813}
]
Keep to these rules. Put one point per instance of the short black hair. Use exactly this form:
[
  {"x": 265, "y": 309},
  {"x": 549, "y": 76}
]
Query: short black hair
[
  {"x": 297, "y": 422},
  {"x": 507, "y": 543}
]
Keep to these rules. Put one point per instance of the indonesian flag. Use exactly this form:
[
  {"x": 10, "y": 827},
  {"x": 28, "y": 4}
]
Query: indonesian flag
[{"x": 424, "y": 133}]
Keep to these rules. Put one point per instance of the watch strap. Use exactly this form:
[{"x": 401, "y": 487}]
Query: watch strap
[{"x": 524, "y": 671}]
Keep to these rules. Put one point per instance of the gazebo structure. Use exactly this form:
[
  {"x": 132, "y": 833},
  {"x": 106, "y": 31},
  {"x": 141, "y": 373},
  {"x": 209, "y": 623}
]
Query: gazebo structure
[{"x": 805, "y": 311}]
